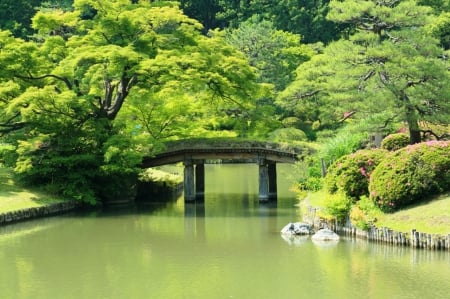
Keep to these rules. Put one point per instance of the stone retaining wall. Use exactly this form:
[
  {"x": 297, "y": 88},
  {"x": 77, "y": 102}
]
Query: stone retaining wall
[
  {"x": 386, "y": 235},
  {"x": 36, "y": 212}
]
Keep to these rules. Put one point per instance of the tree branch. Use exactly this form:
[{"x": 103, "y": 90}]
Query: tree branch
[
  {"x": 31, "y": 77},
  {"x": 8, "y": 126},
  {"x": 307, "y": 94},
  {"x": 438, "y": 137}
]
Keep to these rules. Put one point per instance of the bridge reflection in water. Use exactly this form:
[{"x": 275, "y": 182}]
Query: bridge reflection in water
[{"x": 194, "y": 160}]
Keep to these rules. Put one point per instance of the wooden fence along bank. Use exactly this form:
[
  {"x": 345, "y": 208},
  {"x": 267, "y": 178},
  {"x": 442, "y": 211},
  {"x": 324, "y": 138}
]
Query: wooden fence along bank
[{"x": 386, "y": 235}]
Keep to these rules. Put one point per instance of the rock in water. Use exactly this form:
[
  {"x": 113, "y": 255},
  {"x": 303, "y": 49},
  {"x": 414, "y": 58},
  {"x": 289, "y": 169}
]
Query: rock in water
[
  {"x": 297, "y": 228},
  {"x": 325, "y": 234}
]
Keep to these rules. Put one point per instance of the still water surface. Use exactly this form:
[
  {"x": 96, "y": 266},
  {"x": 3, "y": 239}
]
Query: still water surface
[{"x": 227, "y": 247}]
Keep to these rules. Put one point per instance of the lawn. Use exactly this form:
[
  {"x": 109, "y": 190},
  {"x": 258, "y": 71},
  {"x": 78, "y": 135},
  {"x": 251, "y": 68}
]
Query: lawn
[
  {"x": 15, "y": 197},
  {"x": 432, "y": 216}
]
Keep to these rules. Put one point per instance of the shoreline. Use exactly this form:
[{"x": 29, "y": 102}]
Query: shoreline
[
  {"x": 21, "y": 215},
  {"x": 413, "y": 238}
]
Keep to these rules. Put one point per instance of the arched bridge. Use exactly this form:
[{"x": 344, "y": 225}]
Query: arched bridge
[{"x": 196, "y": 153}]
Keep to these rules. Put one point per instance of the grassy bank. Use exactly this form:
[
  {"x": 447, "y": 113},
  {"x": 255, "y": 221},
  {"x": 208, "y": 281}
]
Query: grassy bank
[
  {"x": 432, "y": 216},
  {"x": 15, "y": 197}
]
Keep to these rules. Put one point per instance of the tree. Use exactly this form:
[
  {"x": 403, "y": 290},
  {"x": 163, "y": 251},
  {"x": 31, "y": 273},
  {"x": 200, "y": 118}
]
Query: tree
[
  {"x": 275, "y": 53},
  {"x": 61, "y": 94},
  {"x": 15, "y": 15},
  {"x": 204, "y": 11},
  {"x": 305, "y": 18},
  {"x": 389, "y": 70}
]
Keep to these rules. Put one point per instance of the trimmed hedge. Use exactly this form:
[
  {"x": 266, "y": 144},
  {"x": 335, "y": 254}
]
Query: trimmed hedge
[
  {"x": 396, "y": 141},
  {"x": 350, "y": 174},
  {"x": 411, "y": 174}
]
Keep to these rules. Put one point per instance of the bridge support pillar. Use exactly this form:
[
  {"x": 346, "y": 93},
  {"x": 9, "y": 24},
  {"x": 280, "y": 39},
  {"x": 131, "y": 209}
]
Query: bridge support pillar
[
  {"x": 189, "y": 188},
  {"x": 272, "y": 172},
  {"x": 263, "y": 180},
  {"x": 200, "y": 180}
]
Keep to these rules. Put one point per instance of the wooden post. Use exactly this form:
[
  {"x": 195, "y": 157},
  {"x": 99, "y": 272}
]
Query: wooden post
[
  {"x": 189, "y": 188},
  {"x": 263, "y": 180},
  {"x": 272, "y": 172},
  {"x": 323, "y": 167},
  {"x": 200, "y": 180}
]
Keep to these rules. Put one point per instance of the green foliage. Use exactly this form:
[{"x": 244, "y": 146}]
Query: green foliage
[
  {"x": 358, "y": 218},
  {"x": 290, "y": 135},
  {"x": 337, "y": 205},
  {"x": 306, "y": 18},
  {"x": 160, "y": 177},
  {"x": 351, "y": 173},
  {"x": 379, "y": 70},
  {"x": 15, "y": 15},
  {"x": 364, "y": 213},
  {"x": 96, "y": 90},
  {"x": 411, "y": 174},
  {"x": 7, "y": 154},
  {"x": 274, "y": 53},
  {"x": 440, "y": 28},
  {"x": 394, "y": 142},
  {"x": 345, "y": 141}
]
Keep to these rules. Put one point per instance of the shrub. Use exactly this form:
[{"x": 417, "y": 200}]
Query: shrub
[
  {"x": 287, "y": 135},
  {"x": 411, "y": 174},
  {"x": 359, "y": 218},
  {"x": 351, "y": 173},
  {"x": 364, "y": 212},
  {"x": 8, "y": 154},
  {"x": 337, "y": 205},
  {"x": 394, "y": 142}
]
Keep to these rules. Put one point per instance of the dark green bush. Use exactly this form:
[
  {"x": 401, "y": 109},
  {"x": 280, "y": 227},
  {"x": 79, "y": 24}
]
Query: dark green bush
[
  {"x": 396, "y": 141},
  {"x": 350, "y": 174},
  {"x": 410, "y": 175}
]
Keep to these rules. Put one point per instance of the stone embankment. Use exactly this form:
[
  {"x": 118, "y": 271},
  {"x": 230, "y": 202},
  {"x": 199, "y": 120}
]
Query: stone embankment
[
  {"x": 36, "y": 212},
  {"x": 386, "y": 235}
]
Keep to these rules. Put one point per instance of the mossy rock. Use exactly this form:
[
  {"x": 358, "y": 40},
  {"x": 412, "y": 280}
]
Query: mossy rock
[
  {"x": 411, "y": 174},
  {"x": 350, "y": 174}
]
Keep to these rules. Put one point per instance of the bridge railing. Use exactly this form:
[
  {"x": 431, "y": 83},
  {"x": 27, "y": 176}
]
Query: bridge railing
[{"x": 230, "y": 143}]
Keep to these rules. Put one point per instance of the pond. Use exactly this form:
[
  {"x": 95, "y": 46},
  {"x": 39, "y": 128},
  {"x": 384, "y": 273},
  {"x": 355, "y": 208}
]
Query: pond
[{"x": 229, "y": 246}]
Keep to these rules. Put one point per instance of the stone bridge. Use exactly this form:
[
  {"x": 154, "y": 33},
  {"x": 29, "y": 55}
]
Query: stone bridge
[{"x": 195, "y": 155}]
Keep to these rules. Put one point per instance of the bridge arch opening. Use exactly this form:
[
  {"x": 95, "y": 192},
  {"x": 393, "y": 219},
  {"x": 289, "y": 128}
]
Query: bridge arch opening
[{"x": 194, "y": 180}]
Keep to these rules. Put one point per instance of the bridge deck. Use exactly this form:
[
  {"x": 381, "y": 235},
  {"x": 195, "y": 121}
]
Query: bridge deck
[{"x": 230, "y": 154}]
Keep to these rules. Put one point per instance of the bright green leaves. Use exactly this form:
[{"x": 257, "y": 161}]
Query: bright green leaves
[
  {"x": 109, "y": 80},
  {"x": 55, "y": 22},
  {"x": 48, "y": 110}
]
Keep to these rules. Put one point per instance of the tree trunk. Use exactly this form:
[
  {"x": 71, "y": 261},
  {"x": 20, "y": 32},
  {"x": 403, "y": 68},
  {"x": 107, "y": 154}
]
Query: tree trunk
[{"x": 413, "y": 125}]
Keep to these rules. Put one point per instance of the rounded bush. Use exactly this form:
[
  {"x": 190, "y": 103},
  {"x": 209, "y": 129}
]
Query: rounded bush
[
  {"x": 394, "y": 142},
  {"x": 350, "y": 174},
  {"x": 287, "y": 135},
  {"x": 411, "y": 174}
]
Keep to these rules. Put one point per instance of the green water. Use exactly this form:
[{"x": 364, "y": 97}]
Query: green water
[{"x": 227, "y": 247}]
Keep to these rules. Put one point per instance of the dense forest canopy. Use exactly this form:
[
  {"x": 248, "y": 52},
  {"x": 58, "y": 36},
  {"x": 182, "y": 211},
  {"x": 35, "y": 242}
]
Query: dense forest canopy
[{"x": 89, "y": 87}]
